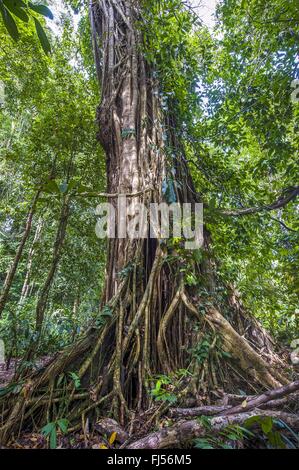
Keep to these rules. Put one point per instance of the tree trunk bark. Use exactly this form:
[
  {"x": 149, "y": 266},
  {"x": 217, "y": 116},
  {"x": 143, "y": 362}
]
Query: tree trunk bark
[
  {"x": 132, "y": 130},
  {"x": 153, "y": 328}
]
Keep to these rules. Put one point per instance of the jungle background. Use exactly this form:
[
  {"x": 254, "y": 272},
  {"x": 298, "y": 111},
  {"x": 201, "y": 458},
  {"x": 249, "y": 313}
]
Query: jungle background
[{"x": 233, "y": 84}]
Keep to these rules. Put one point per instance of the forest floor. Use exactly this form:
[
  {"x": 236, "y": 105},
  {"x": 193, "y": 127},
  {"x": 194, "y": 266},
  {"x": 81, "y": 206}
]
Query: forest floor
[
  {"x": 7, "y": 371},
  {"x": 37, "y": 440},
  {"x": 73, "y": 441},
  {"x": 92, "y": 437}
]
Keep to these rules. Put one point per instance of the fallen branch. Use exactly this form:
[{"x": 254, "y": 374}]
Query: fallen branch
[
  {"x": 223, "y": 409},
  {"x": 264, "y": 398},
  {"x": 186, "y": 431},
  {"x": 233, "y": 399},
  {"x": 289, "y": 195}
]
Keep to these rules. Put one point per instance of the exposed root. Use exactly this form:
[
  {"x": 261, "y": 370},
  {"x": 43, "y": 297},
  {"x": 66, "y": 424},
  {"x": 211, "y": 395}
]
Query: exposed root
[
  {"x": 248, "y": 359},
  {"x": 40, "y": 393}
]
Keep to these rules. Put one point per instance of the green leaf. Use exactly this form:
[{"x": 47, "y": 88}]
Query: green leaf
[
  {"x": 6, "y": 390},
  {"x": 46, "y": 430},
  {"x": 42, "y": 10},
  {"x": 42, "y": 37},
  {"x": 276, "y": 440},
  {"x": 252, "y": 420},
  {"x": 63, "y": 425},
  {"x": 60, "y": 379},
  {"x": 72, "y": 185},
  {"x": 267, "y": 424},
  {"x": 106, "y": 311},
  {"x": 83, "y": 189},
  {"x": 205, "y": 421},
  {"x": 168, "y": 189},
  {"x": 76, "y": 379},
  {"x": 17, "y": 8},
  {"x": 18, "y": 3},
  {"x": 51, "y": 187},
  {"x": 197, "y": 255},
  {"x": 203, "y": 444},
  {"x": 9, "y": 22},
  {"x": 53, "y": 438},
  {"x": 226, "y": 354},
  {"x": 63, "y": 187},
  {"x": 50, "y": 431}
]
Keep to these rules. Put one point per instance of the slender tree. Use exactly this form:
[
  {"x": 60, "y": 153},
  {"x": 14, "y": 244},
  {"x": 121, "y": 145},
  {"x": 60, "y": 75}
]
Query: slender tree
[{"x": 14, "y": 265}]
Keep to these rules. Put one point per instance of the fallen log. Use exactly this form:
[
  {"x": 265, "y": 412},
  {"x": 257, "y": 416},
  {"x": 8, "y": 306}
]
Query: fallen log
[
  {"x": 108, "y": 426},
  {"x": 185, "y": 431}
]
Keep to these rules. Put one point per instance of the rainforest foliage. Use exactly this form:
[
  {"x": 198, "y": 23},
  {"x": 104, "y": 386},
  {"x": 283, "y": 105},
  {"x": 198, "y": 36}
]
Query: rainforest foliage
[
  {"x": 229, "y": 101},
  {"x": 232, "y": 89}
]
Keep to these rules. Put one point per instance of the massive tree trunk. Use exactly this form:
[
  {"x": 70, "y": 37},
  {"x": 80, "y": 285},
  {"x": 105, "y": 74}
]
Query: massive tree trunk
[
  {"x": 132, "y": 130},
  {"x": 150, "y": 320},
  {"x": 153, "y": 329}
]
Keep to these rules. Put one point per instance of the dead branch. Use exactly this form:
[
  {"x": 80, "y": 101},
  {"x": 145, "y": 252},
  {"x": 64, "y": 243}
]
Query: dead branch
[
  {"x": 222, "y": 409},
  {"x": 290, "y": 195},
  {"x": 186, "y": 431},
  {"x": 233, "y": 399},
  {"x": 264, "y": 398}
]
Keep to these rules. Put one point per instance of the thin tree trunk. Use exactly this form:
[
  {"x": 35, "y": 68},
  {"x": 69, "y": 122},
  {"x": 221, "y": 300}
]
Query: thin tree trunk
[
  {"x": 45, "y": 290},
  {"x": 26, "y": 284},
  {"x": 153, "y": 309},
  {"x": 75, "y": 310},
  {"x": 13, "y": 268},
  {"x": 57, "y": 251}
]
